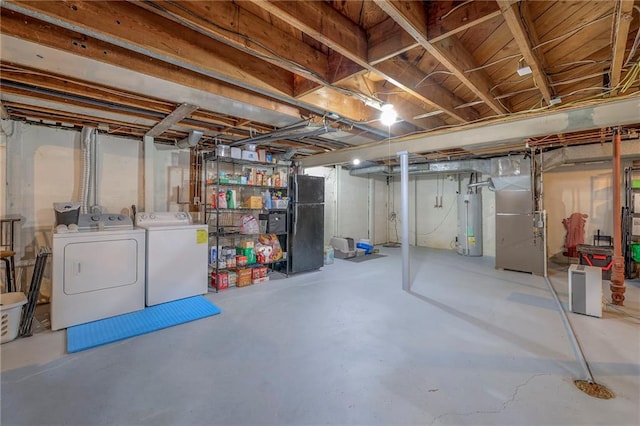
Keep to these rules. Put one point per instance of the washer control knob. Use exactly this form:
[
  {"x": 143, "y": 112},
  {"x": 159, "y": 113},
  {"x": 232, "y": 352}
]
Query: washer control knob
[
  {"x": 95, "y": 217},
  {"x": 112, "y": 218},
  {"x": 120, "y": 217},
  {"x": 153, "y": 216}
]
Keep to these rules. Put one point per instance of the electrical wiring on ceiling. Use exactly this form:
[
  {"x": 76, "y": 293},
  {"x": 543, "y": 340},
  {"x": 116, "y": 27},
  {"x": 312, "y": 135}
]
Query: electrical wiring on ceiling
[
  {"x": 573, "y": 31},
  {"x": 418, "y": 84},
  {"x": 636, "y": 41},
  {"x": 443, "y": 17}
]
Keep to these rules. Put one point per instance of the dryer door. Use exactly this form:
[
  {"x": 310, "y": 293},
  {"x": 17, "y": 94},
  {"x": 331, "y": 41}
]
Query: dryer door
[{"x": 97, "y": 265}]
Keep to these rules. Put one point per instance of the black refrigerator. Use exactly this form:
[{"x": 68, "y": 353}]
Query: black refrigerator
[{"x": 306, "y": 233}]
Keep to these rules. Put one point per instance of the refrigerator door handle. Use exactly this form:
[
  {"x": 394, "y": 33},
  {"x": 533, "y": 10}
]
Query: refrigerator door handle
[{"x": 294, "y": 219}]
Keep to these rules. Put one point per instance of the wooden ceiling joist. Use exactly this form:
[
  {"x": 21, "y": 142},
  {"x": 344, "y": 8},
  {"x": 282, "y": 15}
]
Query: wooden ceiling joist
[
  {"x": 621, "y": 23},
  {"x": 30, "y": 29},
  {"x": 386, "y": 40},
  {"x": 135, "y": 29},
  {"x": 446, "y": 17},
  {"x": 229, "y": 23},
  {"x": 522, "y": 38},
  {"x": 411, "y": 16},
  {"x": 322, "y": 22}
]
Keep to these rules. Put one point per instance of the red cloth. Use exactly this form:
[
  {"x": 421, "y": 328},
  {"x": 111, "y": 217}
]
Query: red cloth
[{"x": 574, "y": 225}]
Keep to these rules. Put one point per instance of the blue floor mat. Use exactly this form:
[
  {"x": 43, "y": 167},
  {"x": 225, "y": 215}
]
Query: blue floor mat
[{"x": 96, "y": 333}]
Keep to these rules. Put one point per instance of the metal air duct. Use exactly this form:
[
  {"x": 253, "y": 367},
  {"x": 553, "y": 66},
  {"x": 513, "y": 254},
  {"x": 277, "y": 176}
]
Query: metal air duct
[{"x": 190, "y": 141}]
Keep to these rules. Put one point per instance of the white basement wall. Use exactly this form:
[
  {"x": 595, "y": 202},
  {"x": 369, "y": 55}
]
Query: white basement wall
[
  {"x": 367, "y": 207},
  {"x": 436, "y": 227},
  {"x": 43, "y": 166},
  {"x": 346, "y": 209},
  {"x": 570, "y": 190}
]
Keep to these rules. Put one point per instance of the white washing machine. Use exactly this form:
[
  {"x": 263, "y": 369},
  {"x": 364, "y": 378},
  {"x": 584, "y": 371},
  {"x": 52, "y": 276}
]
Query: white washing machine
[
  {"x": 177, "y": 256},
  {"x": 98, "y": 271}
]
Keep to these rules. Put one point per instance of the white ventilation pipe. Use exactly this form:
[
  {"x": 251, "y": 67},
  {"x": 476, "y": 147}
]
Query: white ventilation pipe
[{"x": 86, "y": 136}]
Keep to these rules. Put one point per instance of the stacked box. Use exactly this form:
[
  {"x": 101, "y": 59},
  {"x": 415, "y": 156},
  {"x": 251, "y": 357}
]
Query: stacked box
[
  {"x": 259, "y": 274},
  {"x": 233, "y": 278},
  {"x": 250, "y": 254},
  {"x": 219, "y": 281},
  {"x": 244, "y": 277},
  {"x": 226, "y": 257}
]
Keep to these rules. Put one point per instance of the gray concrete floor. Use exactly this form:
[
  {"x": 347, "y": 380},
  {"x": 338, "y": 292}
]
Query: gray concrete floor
[{"x": 469, "y": 346}]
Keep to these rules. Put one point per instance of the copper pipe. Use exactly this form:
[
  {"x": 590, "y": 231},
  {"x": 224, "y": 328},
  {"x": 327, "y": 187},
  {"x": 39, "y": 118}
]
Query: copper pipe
[{"x": 617, "y": 273}]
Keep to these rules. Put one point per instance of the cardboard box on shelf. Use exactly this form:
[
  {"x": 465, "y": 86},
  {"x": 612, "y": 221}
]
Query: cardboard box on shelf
[
  {"x": 244, "y": 277},
  {"x": 233, "y": 278},
  {"x": 254, "y": 202},
  {"x": 236, "y": 153},
  {"x": 247, "y": 244},
  {"x": 262, "y": 155}
]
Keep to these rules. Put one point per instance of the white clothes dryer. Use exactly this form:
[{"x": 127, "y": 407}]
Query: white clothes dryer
[{"x": 98, "y": 272}]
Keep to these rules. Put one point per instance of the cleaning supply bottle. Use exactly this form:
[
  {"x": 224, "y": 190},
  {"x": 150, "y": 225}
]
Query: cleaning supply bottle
[{"x": 230, "y": 199}]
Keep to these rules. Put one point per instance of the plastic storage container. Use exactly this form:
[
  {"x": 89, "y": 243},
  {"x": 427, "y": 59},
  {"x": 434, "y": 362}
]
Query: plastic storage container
[
  {"x": 328, "y": 255},
  {"x": 10, "y": 309},
  {"x": 635, "y": 252}
]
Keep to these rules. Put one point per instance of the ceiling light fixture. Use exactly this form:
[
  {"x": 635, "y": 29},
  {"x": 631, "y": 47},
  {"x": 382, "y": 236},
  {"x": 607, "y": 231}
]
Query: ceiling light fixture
[
  {"x": 388, "y": 115},
  {"x": 428, "y": 114},
  {"x": 356, "y": 161},
  {"x": 523, "y": 68},
  {"x": 555, "y": 101}
]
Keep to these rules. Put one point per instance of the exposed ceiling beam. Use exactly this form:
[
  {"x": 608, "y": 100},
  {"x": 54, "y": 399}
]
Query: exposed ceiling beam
[
  {"x": 84, "y": 113},
  {"x": 135, "y": 29},
  {"x": 446, "y": 18},
  {"x": 179, "y": 114},
  {"x": 65, "y": 39},
  {"x": 178, "y": 85},
  {"x": 229, "y": 23},
  {"x": 322, "y": 22},
  {"x": 50, "y": 81},
  {"x": 411, "y": 16},
  {"x": 432, "y": 94},
  {"x": 621, "y": 22},
  {"x": 614, "y": 113},
  {"x": 386, "y": 40},
  {"x": 511, "y": 15}
]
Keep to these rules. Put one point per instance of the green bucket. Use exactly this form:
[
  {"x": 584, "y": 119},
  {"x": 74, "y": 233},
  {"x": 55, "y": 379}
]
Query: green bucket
[{"x": 635, "y": 252}]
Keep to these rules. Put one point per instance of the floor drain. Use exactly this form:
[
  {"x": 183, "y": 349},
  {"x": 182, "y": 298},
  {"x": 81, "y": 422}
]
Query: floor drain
[{"x": 594, "y": 389}]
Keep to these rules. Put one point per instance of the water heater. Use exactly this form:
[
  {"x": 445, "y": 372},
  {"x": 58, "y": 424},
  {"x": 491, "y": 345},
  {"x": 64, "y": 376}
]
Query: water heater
[{"x": 470, "y": 224}]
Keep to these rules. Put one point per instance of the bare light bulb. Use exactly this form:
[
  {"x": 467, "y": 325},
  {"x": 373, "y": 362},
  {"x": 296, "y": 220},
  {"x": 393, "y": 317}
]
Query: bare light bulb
[
  {"x": 388, "y": 115},
  {"x": 356, "y": 161}
]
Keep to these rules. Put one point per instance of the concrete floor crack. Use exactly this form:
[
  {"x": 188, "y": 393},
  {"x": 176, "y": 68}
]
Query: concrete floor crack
[{"x": 505, "y": 404}]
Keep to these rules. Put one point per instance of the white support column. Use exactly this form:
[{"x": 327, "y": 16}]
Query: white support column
[
  {"x": 371, "y": 231},
  {"x": 337, "y": 224},
  {"x": 404, "y": 217},
  {"x": 149, "y": 197}
]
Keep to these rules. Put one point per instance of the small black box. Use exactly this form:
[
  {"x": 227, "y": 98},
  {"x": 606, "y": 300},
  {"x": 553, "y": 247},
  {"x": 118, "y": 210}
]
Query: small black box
[{"x": 277, "y": 223}]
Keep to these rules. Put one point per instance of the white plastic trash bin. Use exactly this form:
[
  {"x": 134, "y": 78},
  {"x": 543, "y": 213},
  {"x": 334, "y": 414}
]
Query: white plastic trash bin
[{"x": 10, "y": 310}]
